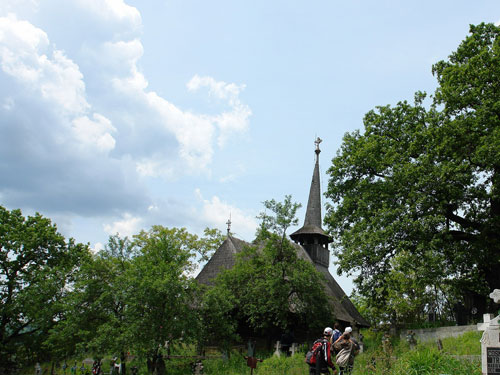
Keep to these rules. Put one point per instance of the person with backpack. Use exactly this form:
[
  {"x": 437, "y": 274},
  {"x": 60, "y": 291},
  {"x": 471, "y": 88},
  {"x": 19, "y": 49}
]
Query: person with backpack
[
  {"x": 346, "y": 348},
  {"x": 319, "y": 358},
  {"x": 335, "y": 336}
]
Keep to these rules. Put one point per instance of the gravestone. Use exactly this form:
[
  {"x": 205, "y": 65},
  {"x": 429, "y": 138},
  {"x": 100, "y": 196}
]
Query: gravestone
[
  {"x": 293, "y": 349},
  {"x": 278, "y": 347},
  {"x": 490, "y": 341},
  {"x": 410, "y": 338}
]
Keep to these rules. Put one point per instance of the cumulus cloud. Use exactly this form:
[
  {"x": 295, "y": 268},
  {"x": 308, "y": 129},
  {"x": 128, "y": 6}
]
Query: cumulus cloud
[
  {"x": 52, "y": 142},
  {"x": 26, "y": 55},
  {"x": 237, "y": 120},
  {"x": 126, "y": 227},
  {"x": 112, "y": 11},
  {"x": 217, "y": 212},
  {"x": 81, "y": 132}
]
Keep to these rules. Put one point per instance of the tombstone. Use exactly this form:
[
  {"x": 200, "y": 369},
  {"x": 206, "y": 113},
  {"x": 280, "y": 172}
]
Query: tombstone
[
  {"x": 439, "y": 344},
  {"x": 293, "y": 349},
  {"x": 197, "y": 368},
  {"x": 38, "y": 369},
  {"x": 490, "y": 341},
  {"x": 251, "y": 348},
  {"x": 410, "y": 338},
  {"x": 386, "y": 343},
  {"x": 277, "y": 352}
]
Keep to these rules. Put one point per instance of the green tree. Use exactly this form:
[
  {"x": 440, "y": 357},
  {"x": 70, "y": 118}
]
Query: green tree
[
  {"x": 36, "y": 266},
  {"x": 272, "y": 288},
  {"x": 94, "y": 318},
  {"x": 418, "y": 192},
  {"x": 162, "y": 295}
]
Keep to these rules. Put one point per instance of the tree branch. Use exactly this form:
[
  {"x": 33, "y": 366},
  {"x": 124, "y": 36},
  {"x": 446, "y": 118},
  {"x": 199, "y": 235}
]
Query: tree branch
[{"x": 449, "y": 214}]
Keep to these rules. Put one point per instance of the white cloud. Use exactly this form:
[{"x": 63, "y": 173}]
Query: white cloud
[
  {"x": 221, "y": 90},
  {"x": 98, "y": 246},
  {"x": 126, "y": 227},
  {"x": 237, "y": 120},
  {"x": 216, "y": 213},
  {"x": 112, "y": 11},
  {"x": 96, "y": 132},
  {"x": 79, "y": 125},
  {"x": 25, "y": 54}
]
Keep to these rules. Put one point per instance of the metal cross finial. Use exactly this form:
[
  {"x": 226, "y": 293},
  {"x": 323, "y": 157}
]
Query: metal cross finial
[
  {"x": 317, "y": 142},
  {"x": 229, "y": 224}
]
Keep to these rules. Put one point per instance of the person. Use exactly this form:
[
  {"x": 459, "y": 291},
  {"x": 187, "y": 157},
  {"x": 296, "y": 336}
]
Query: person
[
  {"x": 323, "y": 359},
  {"x": 347, "y": 348},
  {"x": 336, "y": 332}
]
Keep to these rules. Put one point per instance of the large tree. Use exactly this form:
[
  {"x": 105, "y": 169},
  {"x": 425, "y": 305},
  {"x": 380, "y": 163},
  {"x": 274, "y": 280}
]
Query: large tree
[
  {"x": 162, "y": 294},
  {"x": 418, "y": 193},
  {"x": 94, "y": 314},
  {"x": 36, "y": 266}
]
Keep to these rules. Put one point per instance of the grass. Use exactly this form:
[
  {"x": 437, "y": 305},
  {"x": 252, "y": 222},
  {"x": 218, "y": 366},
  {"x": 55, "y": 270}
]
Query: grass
[
  {"x": 426, "y": 359},
  {"x": 397, "y": 359}
]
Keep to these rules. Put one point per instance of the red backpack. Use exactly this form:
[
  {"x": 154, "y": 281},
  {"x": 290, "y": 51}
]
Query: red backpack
[{"x": 315, "y": 352}]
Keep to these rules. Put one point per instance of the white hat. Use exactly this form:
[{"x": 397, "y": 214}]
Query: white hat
[
  {"x": 348, "y": 330},
  {"x": 328, "y": 331}
]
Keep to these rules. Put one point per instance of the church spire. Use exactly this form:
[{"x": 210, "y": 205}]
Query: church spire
[
  {"x": 313, "y": 211},
  {"x": 311, "y": 236}
]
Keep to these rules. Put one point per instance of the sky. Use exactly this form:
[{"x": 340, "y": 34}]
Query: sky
[{"x": 118, "y": 115}]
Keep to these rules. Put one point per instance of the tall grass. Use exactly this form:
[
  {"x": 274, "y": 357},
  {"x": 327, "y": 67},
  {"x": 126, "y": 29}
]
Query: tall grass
[
  {"x": 425, "y": 359},
  {"x": 395, "y": 359}
]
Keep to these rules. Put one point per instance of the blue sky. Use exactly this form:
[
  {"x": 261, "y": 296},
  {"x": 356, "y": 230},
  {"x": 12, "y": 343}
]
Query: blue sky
[{"x": 118, "y": 115}]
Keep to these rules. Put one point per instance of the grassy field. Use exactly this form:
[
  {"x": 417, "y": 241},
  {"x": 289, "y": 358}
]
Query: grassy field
[{"x": 397, "y": 359}]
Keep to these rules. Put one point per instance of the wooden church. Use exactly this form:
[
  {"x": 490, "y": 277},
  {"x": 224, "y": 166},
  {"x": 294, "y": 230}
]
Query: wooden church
[{"x": 311, "y": 244}]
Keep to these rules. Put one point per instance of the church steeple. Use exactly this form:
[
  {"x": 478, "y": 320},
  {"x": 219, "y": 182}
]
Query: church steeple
[
  {"x": 311, "y": 236},
  {"x": 313, "y": 212}
]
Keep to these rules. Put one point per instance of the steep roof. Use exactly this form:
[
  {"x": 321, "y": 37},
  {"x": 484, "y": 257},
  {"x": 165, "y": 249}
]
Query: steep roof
[
  {"x": 343, "y": 309},
  {"x": 312, "y": 221},
  {"x": 225, "y": 256}
]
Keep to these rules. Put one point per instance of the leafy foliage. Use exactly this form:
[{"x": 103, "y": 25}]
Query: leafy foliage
[
  {"x": 36, "y": 267},
  {"x": 415, "y": 198},
  {"x": 271, "y": 286}
]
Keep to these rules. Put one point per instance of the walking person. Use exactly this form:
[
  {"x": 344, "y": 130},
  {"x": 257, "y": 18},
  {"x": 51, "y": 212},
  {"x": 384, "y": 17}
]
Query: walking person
[
  {"x": 347, "y": 348},
  {"x": 319, "y": 357},
  {"x": 336, "y": 332}
]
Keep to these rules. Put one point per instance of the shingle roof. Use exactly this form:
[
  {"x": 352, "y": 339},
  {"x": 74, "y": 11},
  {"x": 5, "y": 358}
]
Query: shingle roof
[{"x": 224, "y": 258}]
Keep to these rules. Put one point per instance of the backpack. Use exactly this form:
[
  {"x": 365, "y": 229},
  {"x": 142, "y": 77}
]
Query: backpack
[
  {"x": 314, "y": 352},
  {"x": 343, "y": 357},
  {"x": 336, "y": 335}
]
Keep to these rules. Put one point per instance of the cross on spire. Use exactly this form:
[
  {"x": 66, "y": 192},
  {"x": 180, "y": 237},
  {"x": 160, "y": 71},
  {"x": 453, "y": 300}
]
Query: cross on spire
[
  {"x": 317, "y": 142},
  {"x": 229, "y": 224},
  {"x": 317, "y": 151}
]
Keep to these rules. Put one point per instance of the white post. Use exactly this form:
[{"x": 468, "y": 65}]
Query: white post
[
  {"x": 278, "y": 346},
  {"x": 490, "y": 341}
]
